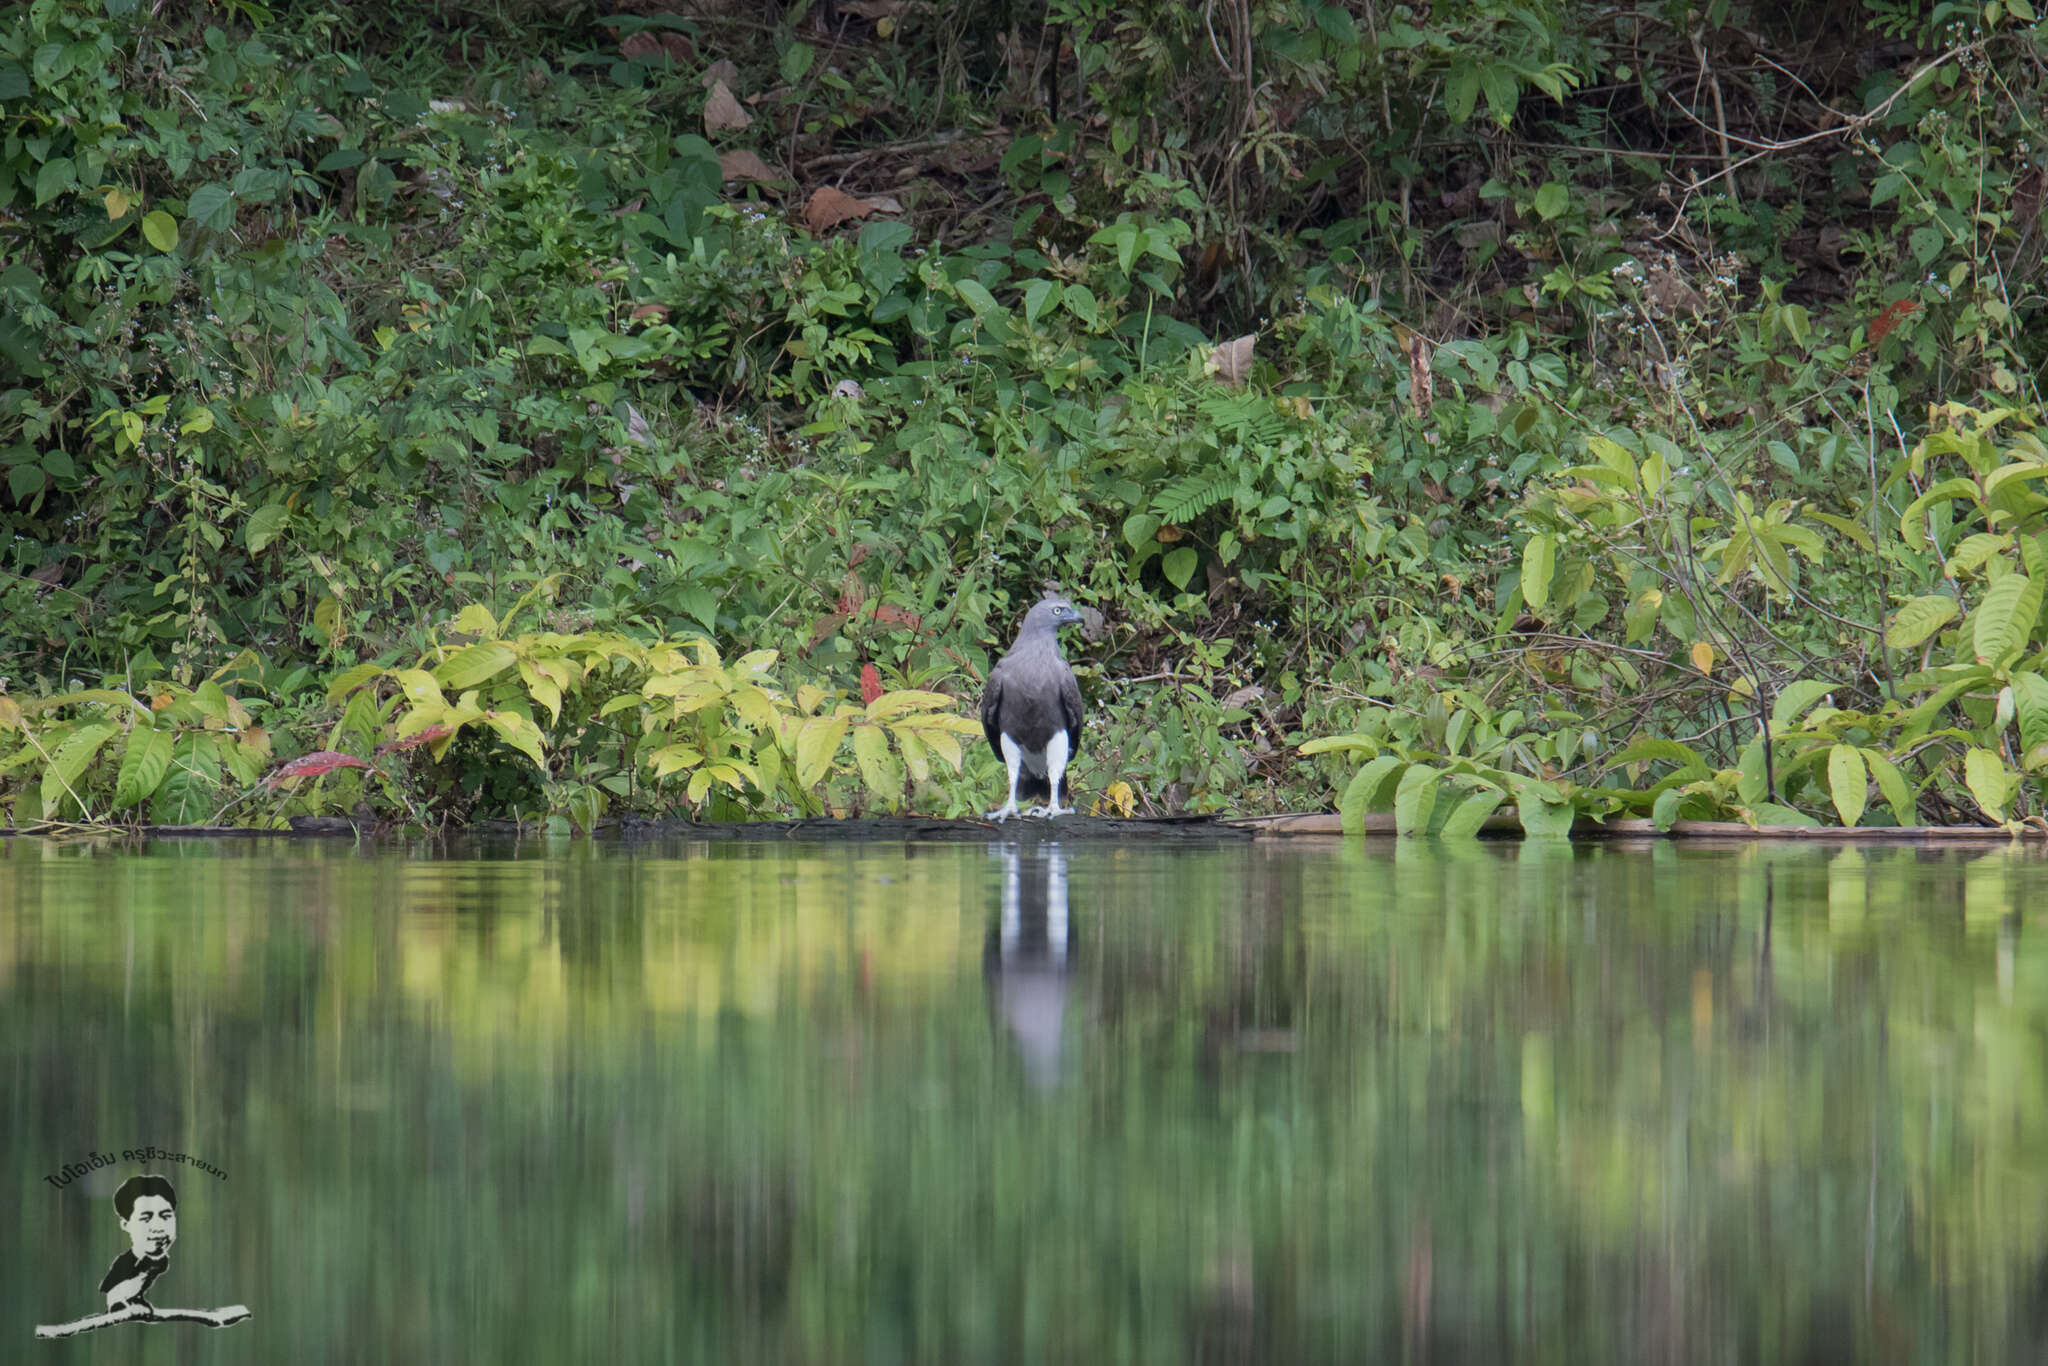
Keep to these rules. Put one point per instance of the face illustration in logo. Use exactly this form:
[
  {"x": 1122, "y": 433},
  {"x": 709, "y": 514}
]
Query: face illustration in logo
[{"x": 152, "y": 1226}]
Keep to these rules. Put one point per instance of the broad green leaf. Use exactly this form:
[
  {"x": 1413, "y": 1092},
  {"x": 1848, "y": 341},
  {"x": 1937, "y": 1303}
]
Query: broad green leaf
[
  {"x": 349, "y": 680},
  {"x": 1751, "y": 787},
  {"x": 1039, "y": 293},
  {"x": 68, "y": 764},
  {"x": 264, "y": 526},
  {"x": 1911, "y": 527},
  {"x": 1794, "y": 699},
  {"x": 143, "y": 765},
  {"x": 1469, "y": 815},
  {"x": 1848, "y": 782},
  {"x": 1990, "y": 781},
  {"x": 1415, "y": 799},
  {"x": 160, "y": 230},
  {"x": 1687, "y": 759},
  {"x": 1639, "y": 618},
  {"x": 1544, "y": 811},
  {"x": 1362, "y": 794},
  {"x": 212, "y": 207},
  {"x": 1892, "y": 784},
  {"x": 2006, "y": 617},
  {"x": 1777, "y": 813},
  {"x": 1179, "y": 566},
  {"x": 977, "y": 297},
  {"x": 1855, "y": 531},
  {"x": 1324, "y": 744},
  {"x": 1918, "y": 619},
  {"x": 1664, "y": 811},
  {"x": 53, "y": 178},
  {"x": 2030, "y": 708},
  {"x": 1080, "y": 301},
  {"x": 1539, "y": 561},
  {"x": 1552, "y": 200},
  {"x": 1970, "y": 556}
]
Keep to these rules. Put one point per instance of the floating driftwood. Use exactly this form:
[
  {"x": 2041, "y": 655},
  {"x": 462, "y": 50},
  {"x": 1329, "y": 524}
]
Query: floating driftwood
[{"x": 142, "y": 1313}]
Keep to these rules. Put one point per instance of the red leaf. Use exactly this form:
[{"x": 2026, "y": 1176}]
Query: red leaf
[
  {"x": 1897, "y": 313},
  {"x": 425, "y": 737},
  {"x": 890, "y": 615},
  {"x": 870, "y": 683},
  {"x": 312, "y": 766}
]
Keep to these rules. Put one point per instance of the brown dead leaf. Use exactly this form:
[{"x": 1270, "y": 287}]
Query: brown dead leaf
[
  {"x": 741, "y": 164},
  {"x": 646, "y": 46},
  {"x": 1421, "y": 380},
  {"x": 721, "y": 72},
  {"x": 645, "y": 312},
  {"x": 829, "y": 208},
  {"x": 722, "y": 113},
  {"x": 1233, "y": 360}
]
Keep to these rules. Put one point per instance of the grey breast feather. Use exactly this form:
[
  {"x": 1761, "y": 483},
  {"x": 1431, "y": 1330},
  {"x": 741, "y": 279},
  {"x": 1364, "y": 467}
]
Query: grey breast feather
[{"x": 1032, "y": 695}]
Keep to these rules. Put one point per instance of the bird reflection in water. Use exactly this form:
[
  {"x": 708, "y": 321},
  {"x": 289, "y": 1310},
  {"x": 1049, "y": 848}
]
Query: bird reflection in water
[{"x": 1029, "y": 956}]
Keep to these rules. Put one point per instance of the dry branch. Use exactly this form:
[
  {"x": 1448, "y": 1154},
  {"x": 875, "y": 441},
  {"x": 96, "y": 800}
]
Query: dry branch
[{"x": 141, "y": 1313}]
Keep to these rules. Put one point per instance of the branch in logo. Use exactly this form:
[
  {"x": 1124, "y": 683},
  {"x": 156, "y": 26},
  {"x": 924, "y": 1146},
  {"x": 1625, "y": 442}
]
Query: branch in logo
[{"x": 147, "y": 1206}]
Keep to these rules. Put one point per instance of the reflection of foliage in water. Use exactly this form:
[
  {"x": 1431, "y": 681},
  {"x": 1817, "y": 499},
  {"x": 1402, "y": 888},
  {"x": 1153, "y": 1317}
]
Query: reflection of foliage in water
[{"x": 750, "y": 1104}]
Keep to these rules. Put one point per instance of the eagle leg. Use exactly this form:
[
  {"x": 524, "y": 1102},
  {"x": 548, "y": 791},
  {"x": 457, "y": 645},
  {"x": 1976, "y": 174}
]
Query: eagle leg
[
  {"x": 1055, "y": 772},
  {"x": 1014, "y": 757}
]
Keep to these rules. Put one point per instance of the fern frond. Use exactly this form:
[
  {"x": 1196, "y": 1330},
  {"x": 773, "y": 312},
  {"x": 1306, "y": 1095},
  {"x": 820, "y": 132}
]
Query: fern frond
[
  {"x": 1188, "y": 498},
  {"x": 1250, "y": 418}
]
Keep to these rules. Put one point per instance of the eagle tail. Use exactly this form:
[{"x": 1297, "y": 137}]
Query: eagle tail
[{"x": 1037, "y": 787}]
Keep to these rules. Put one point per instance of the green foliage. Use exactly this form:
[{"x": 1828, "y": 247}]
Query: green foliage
[
  {"x": 591, "y": 711},
  {"x": 420, "y": 312}
]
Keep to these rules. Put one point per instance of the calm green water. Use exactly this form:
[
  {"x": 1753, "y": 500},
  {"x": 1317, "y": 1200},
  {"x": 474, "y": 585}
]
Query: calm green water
[{"x": 1283, "y": 1102}]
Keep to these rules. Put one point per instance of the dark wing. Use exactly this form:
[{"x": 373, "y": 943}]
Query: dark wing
[
  {"x": 992, "y": 708},
  {"x": 1070, "y": 710}
]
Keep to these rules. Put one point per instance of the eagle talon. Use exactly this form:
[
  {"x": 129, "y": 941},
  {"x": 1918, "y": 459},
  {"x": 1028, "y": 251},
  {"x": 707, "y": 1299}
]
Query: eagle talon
[{"x": 1003, "y": 813}]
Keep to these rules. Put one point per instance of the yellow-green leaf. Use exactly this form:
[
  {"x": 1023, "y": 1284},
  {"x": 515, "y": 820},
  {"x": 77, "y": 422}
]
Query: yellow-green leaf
[
  {"x": 891, "y": 705},
  {"x": 2004, "y": 620},
  {"x": 520, "y": 733},
  {"x": 1848, "y": 782},
  {"x": 1990, "y": 781},
  {"x": 916, "y": 757},
  {"x": 877, "y": 766},
  {"x": 160, "y": 230},
  {"x": 419, "y": 688},
  {"x": 548, "y": 693},
  {"x": 1539, "y": 562},
  {"x": 1892, "y": 784},
  {"x": 672, "y": 759},
  {"x": 1918, "y": 619},
  {"x": 816, "y": 745},
  {"x": 474, "y": 664}
]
